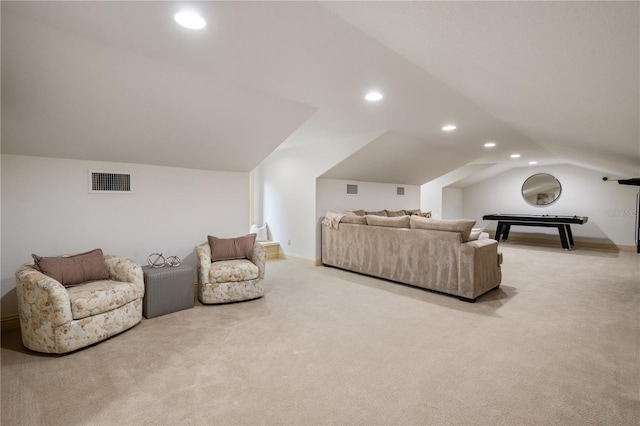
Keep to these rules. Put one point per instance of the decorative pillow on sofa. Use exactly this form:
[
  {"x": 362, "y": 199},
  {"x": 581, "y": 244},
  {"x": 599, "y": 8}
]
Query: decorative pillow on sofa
[
  {"x": 378, "y": 213},
  {"x": 262, "y": 233},
  {"x": 231, "y": 248},
  {"x": 358, "y": 220},
  {"x": 395, "y": 213},
  {"x": 463, "y": 226},
  {"x": 73, "y": 270},
  {"x": 475, "y": 234},
  {"x": 392, "y": 222},
  {"x": 412, "y": 212},
  {"x": 358, "y": 212}
]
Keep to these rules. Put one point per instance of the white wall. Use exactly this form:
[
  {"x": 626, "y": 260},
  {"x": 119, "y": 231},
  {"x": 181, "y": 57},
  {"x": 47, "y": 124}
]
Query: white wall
[
  {"x": 431, "y": 199},
  {"x": 47, "y": 210},
  {"x": 293, "y": 203},
  {"x": 609, "y": 206},
  {"x": 331, "y": 194},
  {"x": 452, "y": 201},
  {"x": 288, "y": 199},
  {"x": 286, "y": 189},
  {"x": 443, "y": 202}
]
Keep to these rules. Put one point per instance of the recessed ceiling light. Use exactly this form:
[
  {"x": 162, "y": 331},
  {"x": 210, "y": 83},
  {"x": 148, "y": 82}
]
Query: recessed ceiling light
[
  {"x": 190, "y": 20},
  {"x": 533, "y": 162},
  {"x": 489, "y": 144},
  {"x": 515, "y": 155},
  {"x": 373, "y": 96},
  {"x": 449, "y": 127}
]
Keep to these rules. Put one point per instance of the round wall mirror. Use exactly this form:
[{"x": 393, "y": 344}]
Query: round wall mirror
[{"x": 541, "y": 189}]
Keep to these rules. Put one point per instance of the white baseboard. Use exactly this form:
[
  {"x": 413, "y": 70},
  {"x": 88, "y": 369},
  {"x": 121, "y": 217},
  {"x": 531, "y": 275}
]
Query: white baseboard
[{"x": 312, "y": 262}]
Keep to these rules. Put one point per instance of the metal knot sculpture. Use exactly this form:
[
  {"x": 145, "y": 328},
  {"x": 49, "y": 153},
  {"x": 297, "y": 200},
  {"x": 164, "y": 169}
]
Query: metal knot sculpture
[
  {"x": 156, "y": 260},
  {"x": 172, "y": 261}
]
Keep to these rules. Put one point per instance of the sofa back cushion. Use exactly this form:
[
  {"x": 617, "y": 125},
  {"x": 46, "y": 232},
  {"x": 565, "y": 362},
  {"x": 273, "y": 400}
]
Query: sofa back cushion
[
  {"x": 462, "y": 226},
  {"x": 378, "y": 213},
  {"x": 392, "y": 222},
  {"x": 395, "y": 213},
  {"x": 73, "y": 270},
  {"x": 358, "y": 220}
]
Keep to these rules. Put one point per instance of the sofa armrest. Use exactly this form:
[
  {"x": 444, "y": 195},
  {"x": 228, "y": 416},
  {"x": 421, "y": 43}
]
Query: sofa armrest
[
  {"x": 203, "y": 251},
  {"x": 259, "y": 258},
  {"x": 125, "y": 270},
  {"x": 478, "y": 268},
  {"x": 43, "y": 302}
]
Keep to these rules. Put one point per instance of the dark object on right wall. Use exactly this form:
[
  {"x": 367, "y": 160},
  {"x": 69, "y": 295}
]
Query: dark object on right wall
[{"x": 633, "y": 181}]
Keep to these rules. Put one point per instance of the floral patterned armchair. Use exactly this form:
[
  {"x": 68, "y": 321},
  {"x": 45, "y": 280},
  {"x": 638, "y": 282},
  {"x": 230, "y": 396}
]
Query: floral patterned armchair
[
  {"x": 234, "y": 280},
  {"x": 59, "y": 319}
]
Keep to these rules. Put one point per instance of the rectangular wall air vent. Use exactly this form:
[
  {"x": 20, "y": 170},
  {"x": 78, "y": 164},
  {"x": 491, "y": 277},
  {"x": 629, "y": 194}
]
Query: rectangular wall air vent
[
  {"x": 400, "y": 190},
  {"x": 111, "y": 182},
  {"x": 352, "y": 189}
]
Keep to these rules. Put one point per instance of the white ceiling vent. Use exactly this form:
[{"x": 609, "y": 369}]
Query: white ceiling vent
[
  {"x": 352, "y": 189},
  {"x": 399, "y": 190},
  {"x": 103, "y": 182}
]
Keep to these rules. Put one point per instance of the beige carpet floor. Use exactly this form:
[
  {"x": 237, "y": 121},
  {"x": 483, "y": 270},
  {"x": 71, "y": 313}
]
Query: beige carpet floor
[{"x": 558, "y": 344}]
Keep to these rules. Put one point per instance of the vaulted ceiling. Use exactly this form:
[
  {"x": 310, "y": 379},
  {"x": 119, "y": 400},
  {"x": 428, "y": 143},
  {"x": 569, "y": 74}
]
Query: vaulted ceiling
[{"x": 556, "y": 82}]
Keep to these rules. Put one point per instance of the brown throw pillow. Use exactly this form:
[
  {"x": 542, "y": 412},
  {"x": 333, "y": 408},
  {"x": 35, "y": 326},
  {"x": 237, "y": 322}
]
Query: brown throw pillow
[
  {"x": 232, "y": 248},
  {"x": 73, "y": 270}
]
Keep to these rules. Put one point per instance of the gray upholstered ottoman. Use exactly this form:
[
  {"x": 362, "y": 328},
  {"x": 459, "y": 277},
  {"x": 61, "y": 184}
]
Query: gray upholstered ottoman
[{"x": 167, "y": 290}]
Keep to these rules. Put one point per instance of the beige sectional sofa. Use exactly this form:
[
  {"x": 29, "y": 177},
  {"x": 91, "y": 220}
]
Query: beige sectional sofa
[{"x": 432, "y": 254}]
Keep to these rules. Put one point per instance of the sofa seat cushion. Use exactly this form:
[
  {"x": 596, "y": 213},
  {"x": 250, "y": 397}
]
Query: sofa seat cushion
[
  {"x": 98, "y": 297},
  {"x": 236, "y": 270}
]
